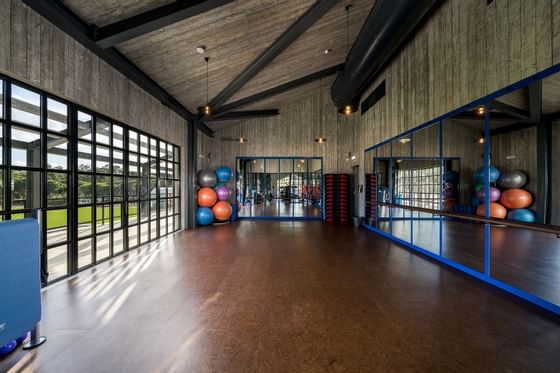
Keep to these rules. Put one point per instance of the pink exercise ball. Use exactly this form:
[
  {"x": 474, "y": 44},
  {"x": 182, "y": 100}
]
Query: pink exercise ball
[
  {"x": 223, "y": 193},
  {"x": 494, "y": 194}
]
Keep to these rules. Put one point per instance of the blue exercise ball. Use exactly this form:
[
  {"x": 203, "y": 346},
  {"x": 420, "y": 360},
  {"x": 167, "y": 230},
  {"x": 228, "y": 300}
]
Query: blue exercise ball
[
  {"x": 9, "y": 347},
  {"x": 451, "y": 177},
  {"x": 523, "y": 215},
  {"x": 479, "y": 174},
  {"x": 21, "y": 339},
  {"x": 223, "y": 173},
  {"x": 204, "y": 216}
]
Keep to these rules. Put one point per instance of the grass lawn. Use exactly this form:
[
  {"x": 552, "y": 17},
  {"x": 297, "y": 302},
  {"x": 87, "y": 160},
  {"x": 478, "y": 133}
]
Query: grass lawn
[{"x": 58, "y": 218}]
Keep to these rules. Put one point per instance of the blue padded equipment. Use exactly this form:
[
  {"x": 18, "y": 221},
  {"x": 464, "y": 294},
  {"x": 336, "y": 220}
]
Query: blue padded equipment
[{"x": 20, "y": 282}]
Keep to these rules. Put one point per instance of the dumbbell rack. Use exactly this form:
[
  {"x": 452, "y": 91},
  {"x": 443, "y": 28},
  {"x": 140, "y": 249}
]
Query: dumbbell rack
[
  {"x": 371, "y": 197},
  {"x": 337, "y": 198}
]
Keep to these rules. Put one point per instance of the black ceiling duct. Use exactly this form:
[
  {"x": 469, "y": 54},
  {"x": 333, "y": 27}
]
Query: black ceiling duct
[{"x": 385, "y": 29}]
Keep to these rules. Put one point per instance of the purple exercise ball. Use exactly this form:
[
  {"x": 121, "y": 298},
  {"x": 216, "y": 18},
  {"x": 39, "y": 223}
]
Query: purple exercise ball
[
  {"x": 494, "y": 194},
  {"x": 223, "y": 193}
]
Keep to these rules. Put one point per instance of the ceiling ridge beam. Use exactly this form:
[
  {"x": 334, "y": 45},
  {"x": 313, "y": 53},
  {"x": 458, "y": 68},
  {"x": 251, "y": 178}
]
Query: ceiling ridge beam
[
  {"x": 58, "y": 14},
  {"x": 312, "y": 15},
  {"x": 152, "y": 20},
  {"x": 279, "y": 89},
  {"x": 246, "y": 114}
]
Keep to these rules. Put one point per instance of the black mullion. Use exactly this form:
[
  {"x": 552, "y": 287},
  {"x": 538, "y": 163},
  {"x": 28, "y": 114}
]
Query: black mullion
[
  {"x": 94, "y": 185},
  {"x": 124, "y": 202},
  {"x": 8, "y": 147},
  {"x": 73, "y": 189},
  {"x": 111, "y": 194},
  {"x": 43, "y": 192}
]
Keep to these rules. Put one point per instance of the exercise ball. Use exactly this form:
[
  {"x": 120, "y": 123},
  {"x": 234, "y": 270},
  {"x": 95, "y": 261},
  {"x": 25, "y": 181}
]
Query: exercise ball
[
  {"x": 524, "y": 215},
  {"x": 516, "y": 199},
  {"x": 222, "y": 210},
  {"x": 206, "y": 197},
  {"x": 496, "y": 210},
  {"x": 206, "y": 178},
  {"x": 494, "y": 174},
  {"x": 494, "y": 194},
  {"x": 22, "y": 338},
  {"x": 512, "y": 179},
  {"x": 204, "y": 216},
  {"x": 478, "y": 186},
  {"x": 7, "y": 348},
  {"x": 451, "y": 177},
  {"x": 223, "y": 173},
  {"x": 223, "y": 193}
]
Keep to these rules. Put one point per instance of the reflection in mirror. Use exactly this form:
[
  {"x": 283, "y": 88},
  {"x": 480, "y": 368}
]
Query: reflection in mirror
[
  {"x": 383, "y": 194},
  {"x": 463, "y": 155},
  {"x": 401, "y": 176},
  {"x": 427, "y": 188},
  {"x": 370, "y": 187}
]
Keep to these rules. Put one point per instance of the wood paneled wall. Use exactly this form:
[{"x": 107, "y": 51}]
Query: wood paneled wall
[
  {"x": 292, "y": 133},
  {"x": 33, "y": 50}
]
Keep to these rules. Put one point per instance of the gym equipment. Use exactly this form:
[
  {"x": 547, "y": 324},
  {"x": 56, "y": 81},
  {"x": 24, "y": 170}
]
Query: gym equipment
[
  {"x": 496, "y": 210},
  {"x": 451, "y": 177},
  {"x": 204, "y": 216},
  {"x": 206, "y": 197},
  {"x": 223, "y": 193},
  {"x": 223, "y": 173},
  {"x": 222, "y": 210},
  {"x": 524, "y": 215},
  {"x": 494, "y": 194},
  {"x": 206, "y": 178},
  {"x": 479, "y": 174},
  {"x": 20, "y": 288},
  {"x": 516, "y": 199},
  {"x": 478, "y": 186},
  {"x": 8, "y": 348},
  {"x": 512, "y": 179}
]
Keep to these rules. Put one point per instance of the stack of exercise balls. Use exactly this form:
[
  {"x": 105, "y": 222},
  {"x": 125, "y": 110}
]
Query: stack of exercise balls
[
  {"x": 213, "y": 195},
  {"x": 507, "y": 198}
]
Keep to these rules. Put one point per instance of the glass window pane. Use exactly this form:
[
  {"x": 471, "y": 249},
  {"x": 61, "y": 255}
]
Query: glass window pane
[
  {"x": 103, "y": 189},
  {"x": 144, "y": 233},
  {"x": 162, "y": 169},
  {"x": 144, "y": 211},
  {"x": 153, "y": 147},
  {"x": 117, "y": 188},
  {"x": 102, "y": 131},
  {"x": 144, "y": 188},
  {"x": 132, "y": 189},
  {"x": 118, "y": 137},
  {"x": 132, "y": 164},
  {"x": 153, "y": 230},
  {"x": 57, "y": 116},
  {"x": 26, "y": 106},
  {"x": 26, "y": 189},
  {"x": 1, "y": 99},
  {"x": 57, "y": 226},
  {"x": 84, "y": 126},
  {"x": 144, "y": 145},
  {"x": 132, "y": 237},
  {"x": 26, "y": 147},
  {"x": 153, "y": 210},
  {"x": 162, "y": 207},
  {"x": 102, "y": 162},
  {"x": 2, "y": 190},
  {"x": 144, "y": 166},
  {"x": 85, "y": 188},
  {"x": 132, "y": 213},
  {"x": 1, "y": 144},
  {"x": 162, "y": 150},
  {"x": 102, "y": 245},
  {"x": 175, "y": 153},
  {"x": 169, "y": 152},
  {"x": 117, "y": 217},
  {"x": 57, "y": 189},
  {"x": 163, "y": 227},
  {"x": 57, "y": 262},
  {"x": 57, "y": 152},
  {"x": 132, "y": 141},
  {"x": 118, "y": 162},
  {"x": 84, "y": 157},
  {"x": 118, "y": 243},
  {"x": 153, "y": 167},
  {"x": 85, "y": 221},
  {"x": 84, "y": 253}
]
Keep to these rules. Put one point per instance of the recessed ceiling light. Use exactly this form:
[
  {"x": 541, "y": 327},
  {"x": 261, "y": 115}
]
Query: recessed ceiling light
[
  {"x": 320, "y": 140},
  {"x": 242, "y": 140},
  {"x": 328, "y": 50},
  {"x": 404, "y": 140},
  {"x": 201, "y": 49}
]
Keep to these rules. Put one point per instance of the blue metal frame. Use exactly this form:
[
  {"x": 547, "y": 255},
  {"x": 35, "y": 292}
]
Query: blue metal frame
[
  {"x": 487, "y": 275},
  {"x": 285, "y": 218}
]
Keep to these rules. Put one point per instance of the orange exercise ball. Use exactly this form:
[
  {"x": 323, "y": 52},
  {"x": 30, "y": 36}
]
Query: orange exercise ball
[
  {"x": 516, "y": 199},
  {"x": 222, "y": 210},
  {"x": 207, "y": 197},
  {"x": 497, "y": 211}
]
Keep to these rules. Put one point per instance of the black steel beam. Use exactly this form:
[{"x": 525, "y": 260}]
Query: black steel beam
[
  {"x": 510, "y": 110},
  {"x": 511, "y": 128},
  {"x": 191, "y": 155},
  {"x": 62, "y": 17},
  {"x": 130, "y": 28},
  {"x": 278, "y": 90},
  {"x": 249, "y": 114},
  {"x": 290, "y": 35}
]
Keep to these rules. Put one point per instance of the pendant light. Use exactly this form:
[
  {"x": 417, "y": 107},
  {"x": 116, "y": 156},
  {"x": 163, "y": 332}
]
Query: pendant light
[
  {"x": 348, "y": 108},
  {"x": 320, "y": 139},
  {"x": 207, "y": 109}
]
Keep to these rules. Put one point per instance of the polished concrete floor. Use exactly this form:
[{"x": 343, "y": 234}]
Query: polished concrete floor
[{"x": 284, "y": 297}]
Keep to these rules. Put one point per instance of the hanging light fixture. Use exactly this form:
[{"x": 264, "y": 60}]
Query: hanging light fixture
[
  {"x": 320, "y": 139},
  {"x": 206, "y": 109},
  {"x": 349, "y": 108}
]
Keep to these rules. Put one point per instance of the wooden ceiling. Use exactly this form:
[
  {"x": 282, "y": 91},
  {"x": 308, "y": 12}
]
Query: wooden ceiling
[{"x": 234, "y": 35}]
